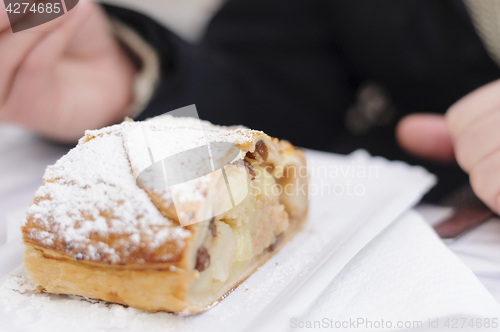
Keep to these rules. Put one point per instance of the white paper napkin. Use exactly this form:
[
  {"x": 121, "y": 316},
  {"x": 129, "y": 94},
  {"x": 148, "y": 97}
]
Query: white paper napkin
[{"x": 406, "y": 276}]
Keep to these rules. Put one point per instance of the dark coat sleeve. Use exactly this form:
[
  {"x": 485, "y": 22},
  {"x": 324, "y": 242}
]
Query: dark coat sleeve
[{"x": 269, "y": 65}]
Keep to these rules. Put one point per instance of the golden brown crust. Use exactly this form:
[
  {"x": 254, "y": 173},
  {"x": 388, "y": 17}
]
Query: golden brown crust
[
  {"x": 152, "y": 289},
  {"x": 140, "y": 255},
  {"x": 160, "y": 287}
]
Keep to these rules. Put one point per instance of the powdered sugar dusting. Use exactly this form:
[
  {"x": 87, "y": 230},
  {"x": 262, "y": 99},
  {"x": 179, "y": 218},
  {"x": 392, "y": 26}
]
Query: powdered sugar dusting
[
  {"x": 90, "y": 205},
  {"x": 20, "y": 284}
]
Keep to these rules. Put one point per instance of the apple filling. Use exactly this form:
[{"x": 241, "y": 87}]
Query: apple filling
[{"x": 237, "y": 240}]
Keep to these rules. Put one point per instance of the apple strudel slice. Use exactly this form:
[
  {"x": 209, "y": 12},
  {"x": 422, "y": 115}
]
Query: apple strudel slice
[{"x": 169, "y": 214}]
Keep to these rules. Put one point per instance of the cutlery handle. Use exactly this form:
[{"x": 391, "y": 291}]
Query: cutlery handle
[{"x": 462, "y": 221}]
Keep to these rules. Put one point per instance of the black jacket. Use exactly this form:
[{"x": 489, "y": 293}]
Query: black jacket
[{"x": 292, "y": 67}]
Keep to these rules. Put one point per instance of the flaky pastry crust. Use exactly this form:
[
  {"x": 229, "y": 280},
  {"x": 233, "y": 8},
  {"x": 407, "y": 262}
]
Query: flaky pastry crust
[{"x": 92, "y": 231}]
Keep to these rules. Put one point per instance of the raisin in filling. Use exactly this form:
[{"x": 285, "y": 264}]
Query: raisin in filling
[
  {"x": 261, "y": 149},
  {"x": 202, "y": 259},
  {"x": 212, "y": 228}
]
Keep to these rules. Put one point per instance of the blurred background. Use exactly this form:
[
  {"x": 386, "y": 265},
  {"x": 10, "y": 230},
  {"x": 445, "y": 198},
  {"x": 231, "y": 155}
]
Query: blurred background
[{"x": 187, "y": 19}]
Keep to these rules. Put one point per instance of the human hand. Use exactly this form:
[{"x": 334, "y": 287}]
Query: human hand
[
  {"x": 72, "y": 77},
  {"x": 469, "y": 133}
]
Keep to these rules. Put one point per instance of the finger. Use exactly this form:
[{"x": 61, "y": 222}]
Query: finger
[
  {"x": 96, "y": 37},
  {"x": 16, "y": 46},
  {"x": 478, "y": 140},
  {"x": 4, "y": 18},
  {"x": 426, "y": 136},
  {"x": 34, "y": 78},
  {"x": 46, "y": 54},
  {"x": 485, "y": 180},
  {"x": 473, "y": 106}
]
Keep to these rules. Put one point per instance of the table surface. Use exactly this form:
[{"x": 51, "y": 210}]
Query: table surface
[{"x": 24, "y": 157}]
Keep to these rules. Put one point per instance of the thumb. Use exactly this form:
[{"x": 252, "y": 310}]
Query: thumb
[{"x": 426, "y": 136}]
